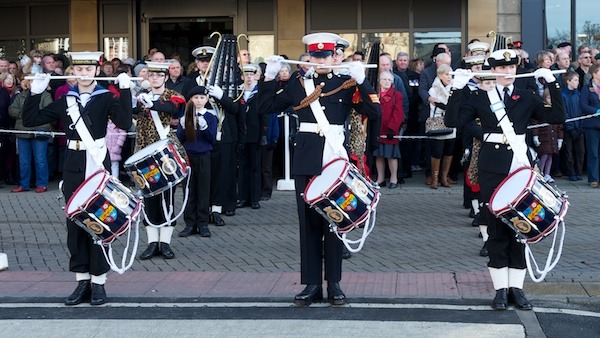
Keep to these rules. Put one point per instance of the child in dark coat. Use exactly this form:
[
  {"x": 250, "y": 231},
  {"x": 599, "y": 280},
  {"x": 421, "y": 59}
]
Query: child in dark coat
[{"x": 197, "y": 131}]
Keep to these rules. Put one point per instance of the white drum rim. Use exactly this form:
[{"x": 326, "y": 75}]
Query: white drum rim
[
  {"x": 146, "y": 151},
  {"x": 311, "y": 200},
  {"x": 498, "y": 190},
  {"x": 80, "y": 187}
]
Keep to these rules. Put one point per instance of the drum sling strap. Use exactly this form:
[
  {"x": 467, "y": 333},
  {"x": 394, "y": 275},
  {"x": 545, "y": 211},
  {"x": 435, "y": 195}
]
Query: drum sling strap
[
  {"x": 520, "y": 159},
  {"x": 519, "y": 148},
  {"x": 96, "y": 150},
  {"x": 335, "y": 141}
]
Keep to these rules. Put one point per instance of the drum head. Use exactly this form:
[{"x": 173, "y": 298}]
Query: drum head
[
  {"x": 84, "y": 192},
  {"x": 147, "y": 151},
  {"x": 510, "y": 189},
  {"x": 329, "y": 176}
]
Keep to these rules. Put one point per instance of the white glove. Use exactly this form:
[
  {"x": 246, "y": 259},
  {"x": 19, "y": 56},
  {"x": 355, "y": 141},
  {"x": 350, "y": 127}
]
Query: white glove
[
  {"x": 545, "y": 74},
  {"x": 536, "y": 141},
  {"x": 560, "y": 142},
  {"x": 215, "y": 91},
  {"x": 274, "y": 64},
  {"x": 461, "y": 78},
  {"x": 356, "y": 70},
  {"x": 202, "y": 123},
  {"x": 124, "y": 81},
  {"x": 146, "y": 100},
  {"x": 40, "y": 83}
]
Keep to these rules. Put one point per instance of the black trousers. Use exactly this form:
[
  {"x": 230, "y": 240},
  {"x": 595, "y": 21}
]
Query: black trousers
[
  {"x": 198, "y": 204},
  {"x": 574, "y": 152},
  {"x": 266, "y": 172},
  {"x": 316, "y": 242},
  {"x": 249, "y": 175},
  {"x": 85, "y": 255},
  {"x": 154, "y": 209},
  {"x": 502, "y": 246},
  {"x": 223, "y": 163}
]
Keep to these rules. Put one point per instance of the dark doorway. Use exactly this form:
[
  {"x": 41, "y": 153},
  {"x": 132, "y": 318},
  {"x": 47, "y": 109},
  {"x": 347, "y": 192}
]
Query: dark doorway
[{"x": 182, "y": 35}]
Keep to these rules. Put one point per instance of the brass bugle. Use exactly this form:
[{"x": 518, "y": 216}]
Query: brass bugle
[
  {"x": 508, "y": 76},
  {"x": 65, "y": 77},
  {"x": 318, "y": 65}
]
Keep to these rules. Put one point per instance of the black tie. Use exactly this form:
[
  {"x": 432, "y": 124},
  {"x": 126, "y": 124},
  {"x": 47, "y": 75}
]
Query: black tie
[{"x": 506, "y": 95}]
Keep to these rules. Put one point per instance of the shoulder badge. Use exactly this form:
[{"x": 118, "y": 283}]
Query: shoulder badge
[{"x": 374, "y": 98}]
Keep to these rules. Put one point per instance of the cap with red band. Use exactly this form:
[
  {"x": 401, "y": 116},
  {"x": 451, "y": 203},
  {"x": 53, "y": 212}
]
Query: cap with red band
[{"x": 321, "y": 44}]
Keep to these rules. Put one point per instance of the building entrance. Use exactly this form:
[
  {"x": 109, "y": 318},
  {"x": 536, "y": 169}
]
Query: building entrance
[{"x": 179, "y": 36}]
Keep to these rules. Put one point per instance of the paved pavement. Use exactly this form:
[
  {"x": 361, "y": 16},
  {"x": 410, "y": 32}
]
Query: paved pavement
[{"x": 423, "y": 248}]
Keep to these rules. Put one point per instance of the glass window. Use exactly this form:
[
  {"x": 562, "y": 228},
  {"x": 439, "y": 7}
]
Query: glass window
[
  {"x": 51, "y": 45},
  {"x": 333, "y": 15},
  {"x": 116, "y": 47},
  {"x": 260, "y": 47},
  {"x": 424, "y": 42},
  {"x": 13, "y": 49},
  {"x": 392, "y": 43},
  {"x": 558, "y": 22},
  {"x": 587, "y": 24}
]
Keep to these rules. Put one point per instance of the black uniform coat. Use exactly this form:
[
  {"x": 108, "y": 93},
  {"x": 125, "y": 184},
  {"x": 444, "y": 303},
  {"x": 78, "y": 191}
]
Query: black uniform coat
[
  {"x": 102, "y": 105},
  {"x": 316, "y": 240},
  {"x": 495, "y": 159}
]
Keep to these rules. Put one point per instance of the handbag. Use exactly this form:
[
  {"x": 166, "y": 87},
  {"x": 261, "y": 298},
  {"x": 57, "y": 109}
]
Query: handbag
[{"x": 434, "y": 126}]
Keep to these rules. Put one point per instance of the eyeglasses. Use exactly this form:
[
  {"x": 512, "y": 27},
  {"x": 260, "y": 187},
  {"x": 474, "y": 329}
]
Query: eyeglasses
[
  {"x": 586, "y": 57},
  {"x": 156, "y": 75}
]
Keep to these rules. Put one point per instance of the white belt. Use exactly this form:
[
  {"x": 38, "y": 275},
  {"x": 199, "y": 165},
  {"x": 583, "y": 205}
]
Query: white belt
[
  {"x": 501, "y": 138},
  {"x": 308, "y": 127},
  {"x": 78, "y": 145}
]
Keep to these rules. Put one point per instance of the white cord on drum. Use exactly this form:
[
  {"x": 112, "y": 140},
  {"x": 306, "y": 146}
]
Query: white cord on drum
[
  {"x": 369, "y": 226},
  {"x": 549, "y": 266},
  {"x": 169, "y": 212},
  {"x": 110, "y": 258}
]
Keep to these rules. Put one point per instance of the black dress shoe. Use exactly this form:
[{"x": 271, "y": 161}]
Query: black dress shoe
[
  {"x": 484, "y": 251},
  {"x": 255, "y": 205},
  {"x": 241, "y": 204},
  {"x": 311, "y": 293},
  {"x": 472, "y": 213},
  {"x": 265, "y": 197},
  {"x": 81, "y": 294},
  {"x": 346, "y": 254},
  {"x": 517, "y": 298},
  {"x": 98, "y": 295},
  {"x": 382, "y": 184},
  {"x": 229, "y": 213},
  {"x": 151, "y": 251},
  {"x": 335, "y": 294},
  {"x": 204, "y": 232},
  {"x": 166, "y": 251},
  {"x": 217, "y": 219},
  {"x": 188, "y": 231},
  {"x": 393, "y": 186},
  {"x": 500, "y": 302}
]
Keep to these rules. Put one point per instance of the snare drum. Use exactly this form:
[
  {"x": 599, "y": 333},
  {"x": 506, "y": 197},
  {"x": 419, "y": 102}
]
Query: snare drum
[
  {"x": 342, "y": 195},
  {"x": 529, "y": 205},
  {"x": 103, "y": 207},
  {"x": 156, "y": 168}
]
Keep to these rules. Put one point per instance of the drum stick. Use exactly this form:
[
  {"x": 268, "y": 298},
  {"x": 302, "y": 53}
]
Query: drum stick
[
  {"x": 518, "y": 76},
  {"x": 318, "y": 65},
  {"x": 65, "y": 77}
]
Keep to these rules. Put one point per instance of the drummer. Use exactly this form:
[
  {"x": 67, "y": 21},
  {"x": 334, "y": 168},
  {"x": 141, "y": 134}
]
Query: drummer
[
  {"x": 93, "y": 105},
  {"x": 311, "y": 151},
  {"x": 502, "y": 154},
  {"x": 156, "y": 109}
]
